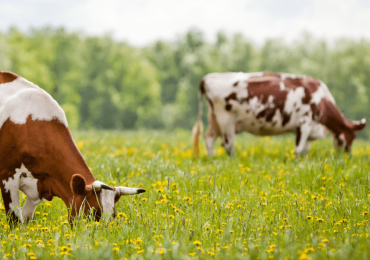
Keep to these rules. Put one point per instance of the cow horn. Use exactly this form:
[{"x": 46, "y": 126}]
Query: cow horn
[
  {"x": 98, "y": 185},
  {"x": 128, "y": 191}
]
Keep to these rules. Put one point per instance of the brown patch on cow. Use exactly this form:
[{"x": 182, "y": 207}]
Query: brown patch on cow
[
  {"x": 236, "y": 84},
  {"x": 310, "y": 85},
  {"x": 6, "y": 77},
  {"x": 274, "y": 123},
  {"x": 261, "y": 114},
  {"x": 286, "y": 119},
  {"x": 232, "y": 96},
  {"x": 264, "y": 87},
  {"x": 270, "y": 114}
]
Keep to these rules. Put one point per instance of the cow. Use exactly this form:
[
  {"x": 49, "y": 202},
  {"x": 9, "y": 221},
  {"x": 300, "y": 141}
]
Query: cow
[
  {"x": 271, "y": 104},
  {"x": 39, "y": 157}
]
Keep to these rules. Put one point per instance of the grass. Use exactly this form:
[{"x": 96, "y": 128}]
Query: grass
[{"x": 263, "y": 203}]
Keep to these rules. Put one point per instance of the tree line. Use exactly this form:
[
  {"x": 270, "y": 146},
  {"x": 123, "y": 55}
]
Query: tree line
[{"x": 107, "y": 84}]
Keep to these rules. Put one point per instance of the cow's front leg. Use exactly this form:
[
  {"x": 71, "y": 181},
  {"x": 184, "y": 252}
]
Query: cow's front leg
[
  {"x": 28, "y": 185},
  {"x": 28, "y": 209},
  {"x": 302, "y": 145},
  {"x": 10, "y": 193}
]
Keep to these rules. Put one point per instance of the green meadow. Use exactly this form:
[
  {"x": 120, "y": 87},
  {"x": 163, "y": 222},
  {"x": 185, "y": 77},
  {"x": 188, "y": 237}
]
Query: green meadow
[{"x": 262, "y": 203}]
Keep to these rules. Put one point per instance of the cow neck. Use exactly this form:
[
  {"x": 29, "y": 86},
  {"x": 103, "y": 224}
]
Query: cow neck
[
  {"x": 48, "y": 151},
  {"x": 69, "y": 162}
]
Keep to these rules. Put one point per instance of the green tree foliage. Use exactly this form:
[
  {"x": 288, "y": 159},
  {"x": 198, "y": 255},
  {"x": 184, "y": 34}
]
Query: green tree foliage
[{"x": 102, "y": 83}]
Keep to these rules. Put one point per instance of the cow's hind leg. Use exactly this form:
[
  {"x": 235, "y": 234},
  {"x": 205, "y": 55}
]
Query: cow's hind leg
[
  {"x": 211, "y": 134},
  {"x": 226, "y": 123}
]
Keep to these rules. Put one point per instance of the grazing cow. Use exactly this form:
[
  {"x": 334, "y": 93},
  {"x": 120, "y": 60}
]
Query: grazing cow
[
  {"x": 271, "y": 104},
  {"x": 38, "y": 156}
]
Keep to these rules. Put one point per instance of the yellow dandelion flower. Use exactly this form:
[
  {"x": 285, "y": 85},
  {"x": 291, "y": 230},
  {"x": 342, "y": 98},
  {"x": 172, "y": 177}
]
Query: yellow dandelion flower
[{"x": 197, "y": 242}]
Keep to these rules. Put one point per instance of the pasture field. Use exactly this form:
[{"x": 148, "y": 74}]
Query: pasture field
[{"x": 263, "y": 203}]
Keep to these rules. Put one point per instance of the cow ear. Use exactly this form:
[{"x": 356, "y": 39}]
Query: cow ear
[{"x": 78, "y": 184}]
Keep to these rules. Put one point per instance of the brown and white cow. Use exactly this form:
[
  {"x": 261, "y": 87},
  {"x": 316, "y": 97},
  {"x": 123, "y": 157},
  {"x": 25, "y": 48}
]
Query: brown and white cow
[
  {"x": 39, "y": 157},
  {"x": 271, "y": 104}
]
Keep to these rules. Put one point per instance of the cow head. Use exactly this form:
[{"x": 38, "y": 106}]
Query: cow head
[
  {"x": 97, "y": 198},
  {"x": 345, "y": 138}
]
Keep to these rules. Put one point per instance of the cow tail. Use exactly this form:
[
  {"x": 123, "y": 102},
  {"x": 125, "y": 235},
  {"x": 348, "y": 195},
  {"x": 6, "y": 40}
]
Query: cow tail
[{"x": 198, "y": 127}]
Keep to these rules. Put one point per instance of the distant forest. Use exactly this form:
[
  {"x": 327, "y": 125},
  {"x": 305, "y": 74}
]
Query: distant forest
[{"x": 102, "y": 83}]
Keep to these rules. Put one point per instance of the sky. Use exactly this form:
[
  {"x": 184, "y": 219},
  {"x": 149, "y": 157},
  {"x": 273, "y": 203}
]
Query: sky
[{"x": 141, "y": 22}]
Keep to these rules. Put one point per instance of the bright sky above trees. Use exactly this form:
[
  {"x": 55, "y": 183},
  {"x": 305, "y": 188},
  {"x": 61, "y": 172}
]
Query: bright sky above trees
[{"x": 141, "y": 22}]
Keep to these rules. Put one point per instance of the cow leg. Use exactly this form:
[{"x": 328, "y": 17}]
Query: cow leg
[
  {"x": 28, "y": 209},
  {"x": 211, "y": 134},
  {"x": 226, "y": 123},
  {"x": 302, "y": 145},
  {"x": 10, "y": 193}
]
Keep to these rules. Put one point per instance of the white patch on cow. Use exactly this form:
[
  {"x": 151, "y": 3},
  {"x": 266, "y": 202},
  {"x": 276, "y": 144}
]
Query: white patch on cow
[
  {"x": 28, "y": 185},
  {"x": 328, "y": 95},
  {"x": 318, "y": 131},
  {"x": 223, "y": 83},
  {"x": 22, "y": 180},
  {"x": 294, "y": 96},
  {"x": 270, "y": 102},
  {"x": 318, "y": 96},
  {"x": 283, "y": 76},
  {"x": 107, "y": 202},
  {"x": 21, "y": 98},
  {"x": 282, "y": 86},
  {"x": 12, "y": 186}
]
